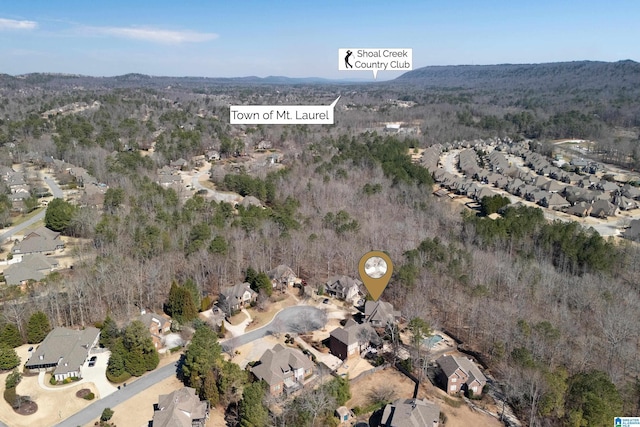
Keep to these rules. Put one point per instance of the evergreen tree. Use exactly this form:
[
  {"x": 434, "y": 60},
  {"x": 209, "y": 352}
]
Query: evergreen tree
[
  {"x": 59, "y": 214},
  {"x": 253, "y": 413},
  {"x": 109, "y": 332},
  {"x": 38, "y": 327},
  {"x": 592, "y": 400},
  {"x": 10, "y": 335},
  {"x": 202, "y": 355},
  {"x": 8, "y": 358},
  {"x": 209, "y": 389},
  {"x": 192, "y": 287},
  {"x": 115, "y": 367}
]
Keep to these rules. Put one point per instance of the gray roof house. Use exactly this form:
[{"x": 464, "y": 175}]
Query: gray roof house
[
  {"x": 411, "y": 413},
  {"x": 343, "y": 287},
  {"x": 32, "y": 267},
  {"x": 64, "y": 351},
  {"x": 283, "y": 369},
  {"x": 380, "y": 313},
  {"x": 283, "y": 275},
  {"x": 633, "y": 232},
  {"x": 603, "y": 209},
  {"x": 461, "y": 374},
  {"x": 352, "y": 339},
  {"x": 236, "y": 297},
  {"x": 555, "y": 201},
  {"x": 181, "y": 408},
  {"x": 42, "y": 240}
]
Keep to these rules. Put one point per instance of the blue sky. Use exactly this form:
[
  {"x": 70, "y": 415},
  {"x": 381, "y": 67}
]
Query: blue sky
[{"x": 300, "y": 38}]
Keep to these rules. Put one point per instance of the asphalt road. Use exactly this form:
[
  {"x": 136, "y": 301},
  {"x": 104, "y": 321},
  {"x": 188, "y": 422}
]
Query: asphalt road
[
  {"x": 94, "y": 410},
  {"x": 56, "y": 191},
  {"x": 290, "y": 319}
]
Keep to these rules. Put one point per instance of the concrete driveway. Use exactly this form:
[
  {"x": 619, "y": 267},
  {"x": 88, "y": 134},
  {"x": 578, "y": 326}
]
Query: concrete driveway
[{"x": 94, "y": 374}]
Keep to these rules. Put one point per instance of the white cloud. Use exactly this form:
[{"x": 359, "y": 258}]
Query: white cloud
[
  {"x": 12, "y": 24},
  {"x": 152, "y": 34}
]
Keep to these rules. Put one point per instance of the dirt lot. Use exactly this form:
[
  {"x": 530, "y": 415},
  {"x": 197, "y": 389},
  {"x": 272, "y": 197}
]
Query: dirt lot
[{"x": 461, "y": 416}]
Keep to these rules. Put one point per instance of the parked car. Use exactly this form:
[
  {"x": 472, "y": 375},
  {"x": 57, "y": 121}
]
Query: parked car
[
  {"x": 325, "y": 301},
  {"x": 92, "y": 361}
]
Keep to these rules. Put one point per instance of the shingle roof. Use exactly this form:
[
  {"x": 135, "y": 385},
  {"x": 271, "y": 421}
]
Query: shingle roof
[
  {"x": 32, "y": 267},
  {"x": 450, "y": 364},
  {"x": 411, "y": 413},
  {"x": 40, "y": 240},
  {"x": 349, "y": 334},
  {"x": 179, "y": 409},
  {"x": 275, "y": 362},
  {"x": 380, "y": 311},
  {"x": 67, "y": 348}
]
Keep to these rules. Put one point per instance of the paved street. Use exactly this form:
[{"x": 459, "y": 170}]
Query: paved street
[
  {"x": 94, "y": 410},
  {"x": 290, "y": 319},
  {"x": 55, "y": 190}
]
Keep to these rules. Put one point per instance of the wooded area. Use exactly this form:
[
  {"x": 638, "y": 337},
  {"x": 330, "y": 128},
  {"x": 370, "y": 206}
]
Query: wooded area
[{"x": 551, "y": 308}]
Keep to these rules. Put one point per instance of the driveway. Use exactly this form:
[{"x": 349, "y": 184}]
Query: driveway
[{"x": 55, "y": 190}]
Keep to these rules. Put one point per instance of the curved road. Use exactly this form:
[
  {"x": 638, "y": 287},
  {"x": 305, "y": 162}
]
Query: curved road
[
  {"x": 290, "y": 319},
  {"x": 56, "y": 191}
]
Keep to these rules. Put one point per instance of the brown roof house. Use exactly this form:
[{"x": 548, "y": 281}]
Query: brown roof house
[
  {"x": 64, "y": 351},
  {"x": 42, "y": 240},
  {"x": 236, "y": 297},
  {"x": 158, "y": 326},
  {"x": 461, "y": 374},
  {"x": 181, "y": 408},
  {"x": 283, "y": 369},
  {"x": 411, "y": 413},
  {"x": 352, "y": 339},
  {"x": 343, "y": 287},
  {"x": 380, "y": 313}
]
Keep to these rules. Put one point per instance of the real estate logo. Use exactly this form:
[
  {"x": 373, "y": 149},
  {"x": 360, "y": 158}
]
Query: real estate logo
[
  {"x": 375, "y": 270},
  {"x": 626, "y": 421}
]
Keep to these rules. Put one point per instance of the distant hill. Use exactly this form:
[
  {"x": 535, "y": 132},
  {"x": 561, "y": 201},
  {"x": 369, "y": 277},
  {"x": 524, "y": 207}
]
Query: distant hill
[
  {"x": 582, "y": 74},
  {"x": 55, "y": 81}
]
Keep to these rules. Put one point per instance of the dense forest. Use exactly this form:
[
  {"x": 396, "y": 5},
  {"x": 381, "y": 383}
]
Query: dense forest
[{"x": 550, "y": 308}]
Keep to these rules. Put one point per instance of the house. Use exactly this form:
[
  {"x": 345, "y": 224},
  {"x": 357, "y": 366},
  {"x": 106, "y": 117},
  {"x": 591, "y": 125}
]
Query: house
[
  {"x": 461, "y": 374},
  {"x": 633, "y": 232},
  {"x": 352, "y": 339},
  {"x": 179, "y": 164},
  {"x": 283, "y": 369},
  {"x": 32, "y": 267},
  {"x": 283, "y": 276},
  {"x": 411, "y": 413},
  {"x": 64, "y": 351},
  {"x": 157, "y": 325},
  {"x": 581, "y": 209},
  {"x": 236, "y": 297},
  {"x": 603, "y": 209},
  {"x": 380, "y": 313},
  {"x": 181, "y": 408},
  {"x": 343, "y": 287},
  {"x": 42, "y": 240},
  {"x": 555, "y": 201}
]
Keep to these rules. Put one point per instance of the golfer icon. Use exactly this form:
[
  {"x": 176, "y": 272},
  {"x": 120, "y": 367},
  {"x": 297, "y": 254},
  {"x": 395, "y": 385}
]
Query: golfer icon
[{"x": 346, "y": 59}]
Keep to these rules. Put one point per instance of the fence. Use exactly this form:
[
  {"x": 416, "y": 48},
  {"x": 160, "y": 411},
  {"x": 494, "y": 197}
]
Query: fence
[{"x": 363, "y": 375}]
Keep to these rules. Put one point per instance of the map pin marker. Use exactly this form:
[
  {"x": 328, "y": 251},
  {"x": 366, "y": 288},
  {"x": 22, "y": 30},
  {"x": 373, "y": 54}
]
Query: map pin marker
[{"x": 375, "y": 270}]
